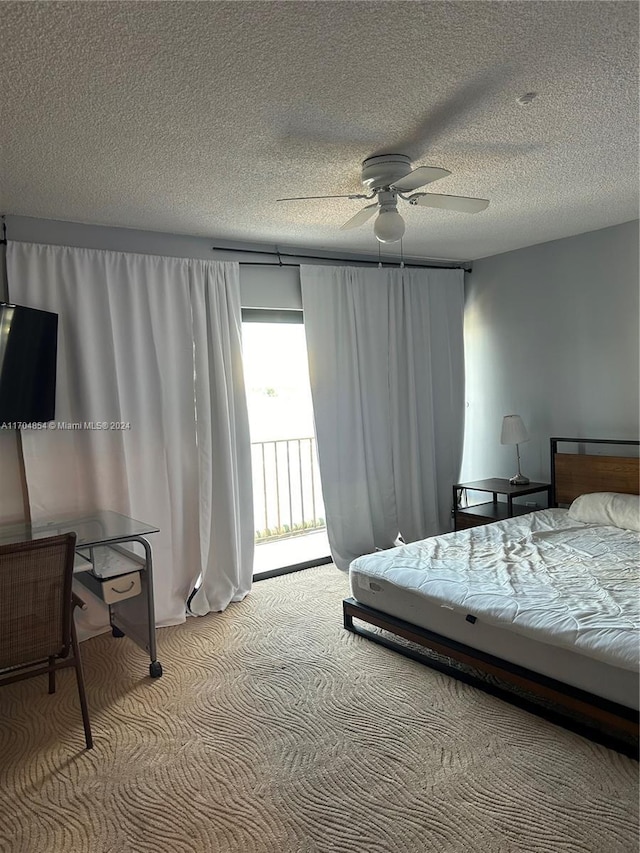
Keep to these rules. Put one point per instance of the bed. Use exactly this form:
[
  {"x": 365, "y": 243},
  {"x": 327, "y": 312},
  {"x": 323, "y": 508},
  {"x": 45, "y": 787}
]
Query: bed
[{"x": 540, "y": 609}]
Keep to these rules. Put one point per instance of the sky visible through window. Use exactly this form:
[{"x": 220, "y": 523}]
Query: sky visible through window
[{"x": 277, "y": 381}]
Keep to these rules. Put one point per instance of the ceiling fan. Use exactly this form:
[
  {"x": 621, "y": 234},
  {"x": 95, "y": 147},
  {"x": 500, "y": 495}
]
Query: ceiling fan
[{"x": 389, "y": 177}]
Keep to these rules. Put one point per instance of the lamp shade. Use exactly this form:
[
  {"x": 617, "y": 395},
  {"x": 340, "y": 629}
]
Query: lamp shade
[{"x": 513, "y": 430}]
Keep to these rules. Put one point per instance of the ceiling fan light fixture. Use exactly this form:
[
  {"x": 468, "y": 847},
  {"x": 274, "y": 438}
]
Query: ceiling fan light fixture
[
  {"x": 387, "y": 177},
  {"x": 389, "y": 226}
]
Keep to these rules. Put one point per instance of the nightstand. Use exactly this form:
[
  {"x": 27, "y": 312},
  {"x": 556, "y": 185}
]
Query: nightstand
[{"x": 493, "y": 510}]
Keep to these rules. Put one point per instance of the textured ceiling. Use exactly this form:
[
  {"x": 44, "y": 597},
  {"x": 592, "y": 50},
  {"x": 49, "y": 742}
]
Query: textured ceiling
[{"x": 194, "y": 117}]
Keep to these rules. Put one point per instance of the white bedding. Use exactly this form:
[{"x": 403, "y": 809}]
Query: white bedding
[{"x": 543, "y": 575}]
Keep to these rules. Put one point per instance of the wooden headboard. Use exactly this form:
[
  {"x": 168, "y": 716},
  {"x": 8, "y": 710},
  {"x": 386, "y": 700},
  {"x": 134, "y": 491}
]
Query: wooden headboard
[{"x": 574, "y": 474}]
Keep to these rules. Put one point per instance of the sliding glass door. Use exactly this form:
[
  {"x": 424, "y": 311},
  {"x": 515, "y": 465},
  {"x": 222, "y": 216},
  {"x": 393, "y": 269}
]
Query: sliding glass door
[{"x": 290, "y": 526}]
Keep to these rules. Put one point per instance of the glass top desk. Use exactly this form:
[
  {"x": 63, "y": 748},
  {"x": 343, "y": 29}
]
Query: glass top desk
[{"x": 120, "y": 577}]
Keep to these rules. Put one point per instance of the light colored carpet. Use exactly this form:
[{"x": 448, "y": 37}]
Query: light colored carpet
[{"x": 274, "y": 730}]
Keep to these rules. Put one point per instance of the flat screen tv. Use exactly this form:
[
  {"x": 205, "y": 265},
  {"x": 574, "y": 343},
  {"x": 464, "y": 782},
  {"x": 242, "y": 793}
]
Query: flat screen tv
[{"x": 28, "y": 351}]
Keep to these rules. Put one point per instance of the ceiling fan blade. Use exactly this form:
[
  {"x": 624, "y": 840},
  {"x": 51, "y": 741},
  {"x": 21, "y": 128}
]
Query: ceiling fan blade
[
  {"x": 361, "y": 217},
  {"x": 310, "y": 197},
  {"x": 450, "y": 202},
  {"x": 419, "y": 177}
]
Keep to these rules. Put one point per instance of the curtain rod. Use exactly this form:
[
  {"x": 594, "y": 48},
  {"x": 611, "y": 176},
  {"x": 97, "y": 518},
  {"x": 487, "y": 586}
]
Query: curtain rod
[{"x": 280, "y": 255}]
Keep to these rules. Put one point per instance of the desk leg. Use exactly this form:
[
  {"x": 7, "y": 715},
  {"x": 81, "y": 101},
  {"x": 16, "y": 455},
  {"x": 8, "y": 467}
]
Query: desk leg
[
  {"x": 155, "y": 667},
  {"x": 135, "y": 617}
]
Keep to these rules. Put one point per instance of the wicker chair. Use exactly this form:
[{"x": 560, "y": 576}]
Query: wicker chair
[{"x": 37, "y": 631}]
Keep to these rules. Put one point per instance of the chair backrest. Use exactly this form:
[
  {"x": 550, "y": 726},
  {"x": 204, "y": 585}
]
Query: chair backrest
[{"x": 35, "y": 599}]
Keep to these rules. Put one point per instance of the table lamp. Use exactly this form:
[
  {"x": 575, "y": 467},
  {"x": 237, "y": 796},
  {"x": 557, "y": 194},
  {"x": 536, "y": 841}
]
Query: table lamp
[{"x": 514, "y": 432}]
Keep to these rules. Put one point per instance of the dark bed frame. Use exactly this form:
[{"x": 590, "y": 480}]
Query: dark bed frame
[{"x": 601, "y": 720}]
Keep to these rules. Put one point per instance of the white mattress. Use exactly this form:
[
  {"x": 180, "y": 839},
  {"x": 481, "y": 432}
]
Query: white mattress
[{"x": 547, "y": 592}]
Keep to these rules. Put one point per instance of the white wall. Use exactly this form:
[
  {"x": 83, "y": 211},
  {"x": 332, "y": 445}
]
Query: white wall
[{"x": 551, "y": 333}]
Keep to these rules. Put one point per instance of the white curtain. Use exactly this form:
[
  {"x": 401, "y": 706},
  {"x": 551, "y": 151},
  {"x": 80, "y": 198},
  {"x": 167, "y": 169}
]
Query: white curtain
[
  {"x": 154, "y": 343},
  {"x": 387, "y": 378},
  {"x": 224, "y": 443}
]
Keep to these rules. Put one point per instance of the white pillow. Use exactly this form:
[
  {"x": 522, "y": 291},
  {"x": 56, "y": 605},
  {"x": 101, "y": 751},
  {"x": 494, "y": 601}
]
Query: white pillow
[{"x": 610, "y": 508}]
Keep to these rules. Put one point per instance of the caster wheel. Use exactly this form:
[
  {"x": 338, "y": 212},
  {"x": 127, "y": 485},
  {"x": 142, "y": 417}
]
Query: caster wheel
[
  {"x": 155, "y": 669},
  {"x": 116, "y": 632}
]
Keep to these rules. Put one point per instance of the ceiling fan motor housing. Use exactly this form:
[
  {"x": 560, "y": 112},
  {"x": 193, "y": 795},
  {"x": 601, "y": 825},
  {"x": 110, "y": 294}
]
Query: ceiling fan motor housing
[
  {"x": 387, "y": 200},
  {"x": 383, "y": 170}
]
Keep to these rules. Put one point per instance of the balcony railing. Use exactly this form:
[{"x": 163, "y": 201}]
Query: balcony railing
[{"x": 286, "y": 488}]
